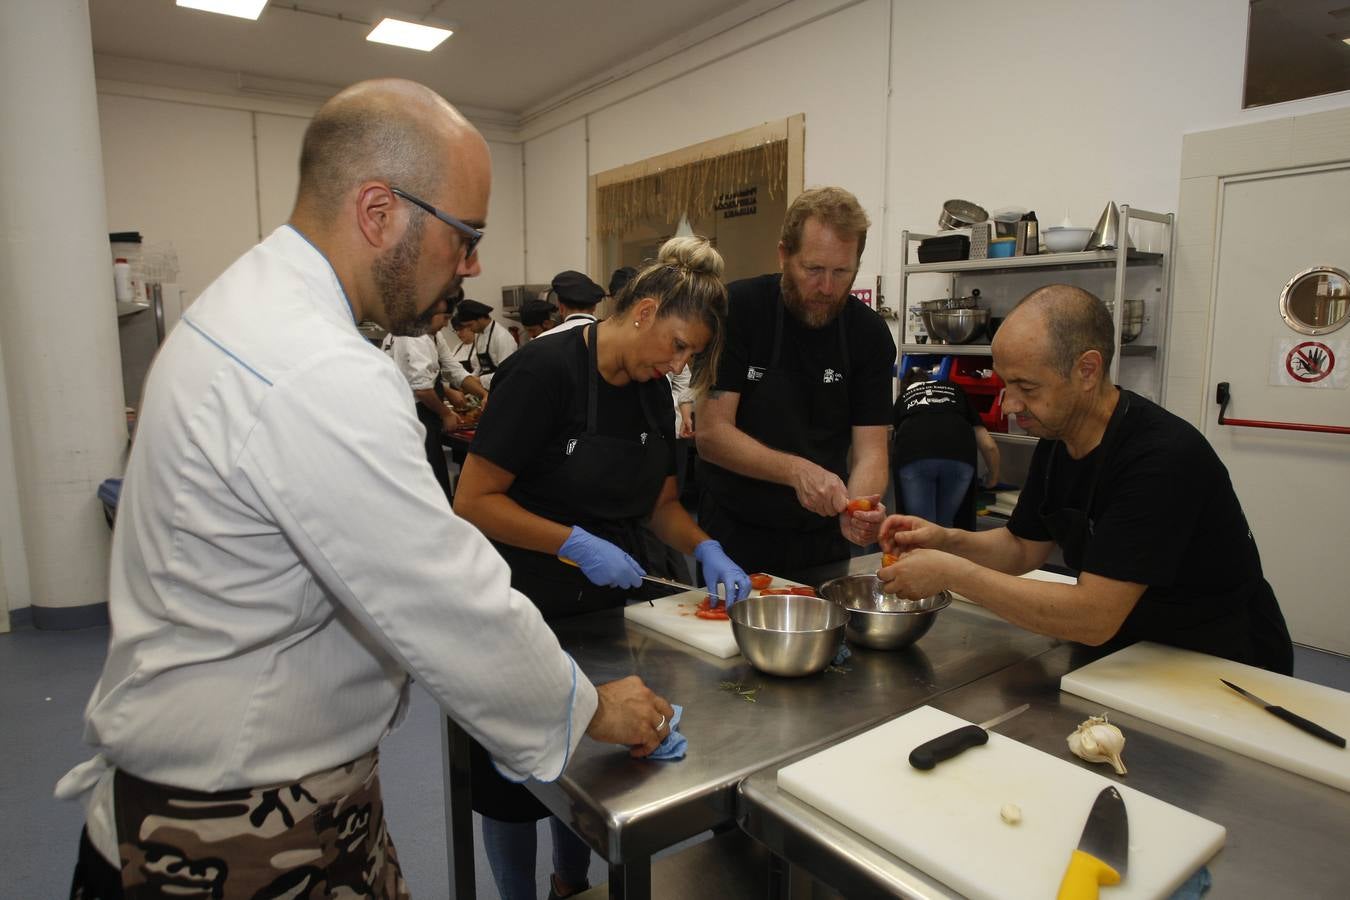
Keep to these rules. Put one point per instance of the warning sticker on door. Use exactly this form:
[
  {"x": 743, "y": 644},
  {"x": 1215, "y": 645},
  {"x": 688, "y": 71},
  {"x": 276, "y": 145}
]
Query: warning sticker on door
[{"x": 1308, "y": 363}]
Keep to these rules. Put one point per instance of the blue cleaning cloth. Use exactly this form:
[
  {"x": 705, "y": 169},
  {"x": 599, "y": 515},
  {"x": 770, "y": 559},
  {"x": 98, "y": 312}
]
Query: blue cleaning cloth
[
  {"x": 843, "y": 655},
  {"x": 1195, "y": 886},
  {"x": 675, "y": 744}
]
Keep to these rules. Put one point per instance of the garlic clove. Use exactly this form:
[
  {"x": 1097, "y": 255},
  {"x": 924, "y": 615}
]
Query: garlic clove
[{"x": 1011, "y": 813}]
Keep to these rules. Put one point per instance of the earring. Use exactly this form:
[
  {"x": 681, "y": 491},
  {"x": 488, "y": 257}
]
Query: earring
[{"x": 637, "y": 324}]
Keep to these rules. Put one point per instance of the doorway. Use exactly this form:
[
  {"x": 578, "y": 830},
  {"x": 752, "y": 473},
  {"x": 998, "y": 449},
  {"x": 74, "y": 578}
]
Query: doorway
[{"x": 1251, "y": 217}]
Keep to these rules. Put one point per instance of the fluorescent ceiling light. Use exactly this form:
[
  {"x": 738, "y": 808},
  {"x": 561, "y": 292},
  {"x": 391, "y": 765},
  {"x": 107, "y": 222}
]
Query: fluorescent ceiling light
[
  {"x": 1345, "y": 40},
  {"x": 408, "y": 34},
  {"x": 244, "y": 9}
]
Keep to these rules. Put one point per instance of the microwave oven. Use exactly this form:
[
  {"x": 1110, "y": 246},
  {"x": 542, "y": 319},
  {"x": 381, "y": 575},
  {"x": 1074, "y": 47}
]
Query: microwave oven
[{"x": 515, "y": 295}]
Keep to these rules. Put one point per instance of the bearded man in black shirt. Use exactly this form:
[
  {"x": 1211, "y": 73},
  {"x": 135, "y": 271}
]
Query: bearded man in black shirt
[
  {"x": 1136, "y": 498},
  {"x": 795, "y": 424}
]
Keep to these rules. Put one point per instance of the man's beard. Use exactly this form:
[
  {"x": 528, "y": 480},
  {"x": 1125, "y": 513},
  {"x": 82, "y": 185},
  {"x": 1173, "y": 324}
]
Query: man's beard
[
  {"x": 395, "y": 276},
  {"x": 814, "y": 314}
]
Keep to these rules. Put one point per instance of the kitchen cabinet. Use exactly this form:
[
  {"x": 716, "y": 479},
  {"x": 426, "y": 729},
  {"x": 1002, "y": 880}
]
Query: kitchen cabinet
[{"x": 1139, "y": 272}]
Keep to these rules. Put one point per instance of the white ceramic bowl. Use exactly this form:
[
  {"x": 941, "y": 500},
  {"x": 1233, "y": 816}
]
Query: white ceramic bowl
[{"x": 1066, "y": 239}]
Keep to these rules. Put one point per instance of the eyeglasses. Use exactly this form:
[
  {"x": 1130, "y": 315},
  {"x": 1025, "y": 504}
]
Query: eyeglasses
[{"x": 471, "y": 235}]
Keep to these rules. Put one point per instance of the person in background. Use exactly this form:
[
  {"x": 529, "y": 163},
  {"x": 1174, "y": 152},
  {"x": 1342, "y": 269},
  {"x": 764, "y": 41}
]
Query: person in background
[
  {"x": 492, "y": 343},
  {"x": 796, "y": 422},
  {"x": 536, "y": 316},
  {"x": 573, "y": 455},
  {"x": 1134, "y": 496},
  {"x": 933, "y": 448},
  {"x": 283, "y": 561},
  {"x": 577, "y": 296},
  {"x": 418, "y": 360}
]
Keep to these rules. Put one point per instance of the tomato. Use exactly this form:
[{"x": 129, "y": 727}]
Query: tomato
[
  {"x": 859, "y": 505},
  {"x": 799, "y": 589},
  {"x": 712, "y": 608},
  {"x": 889, "y": 559},
  {"x": 759, "y": 581}
]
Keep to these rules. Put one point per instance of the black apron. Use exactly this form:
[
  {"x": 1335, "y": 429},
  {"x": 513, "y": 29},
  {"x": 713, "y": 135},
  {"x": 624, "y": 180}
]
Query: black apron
[
  {"x": 486, "y": 364},
  {"x": 802, "y": 414},
  {"x": 1243, "y": 624},
  {"x": 611, "y": 484}
]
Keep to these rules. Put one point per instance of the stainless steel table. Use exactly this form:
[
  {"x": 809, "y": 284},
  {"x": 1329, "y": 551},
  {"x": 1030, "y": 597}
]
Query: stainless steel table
[
  {"x": 629, "y": 809},
  {"x": 1287, "y": 835}
]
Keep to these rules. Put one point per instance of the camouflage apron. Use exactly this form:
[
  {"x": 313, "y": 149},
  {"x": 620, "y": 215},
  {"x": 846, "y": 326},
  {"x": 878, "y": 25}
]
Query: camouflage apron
[{"x": 323, "y": 836}]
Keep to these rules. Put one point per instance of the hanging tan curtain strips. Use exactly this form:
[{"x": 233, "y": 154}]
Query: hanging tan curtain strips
[{"x": 691, "y": 188}]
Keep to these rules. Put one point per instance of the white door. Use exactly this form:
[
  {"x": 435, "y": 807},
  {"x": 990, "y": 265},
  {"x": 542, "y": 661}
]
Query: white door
[{"x": 1294, "y": 486}]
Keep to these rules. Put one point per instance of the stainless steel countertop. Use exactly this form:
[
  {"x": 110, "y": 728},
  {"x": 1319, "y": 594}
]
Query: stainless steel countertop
[
  {"x": 628, "y": 809},
  {"x": 1287, "y": 835}
]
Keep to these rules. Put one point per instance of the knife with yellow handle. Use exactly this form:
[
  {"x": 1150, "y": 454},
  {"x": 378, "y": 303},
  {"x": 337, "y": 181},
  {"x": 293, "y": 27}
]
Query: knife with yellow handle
[{"x": 1103, "y": 851}]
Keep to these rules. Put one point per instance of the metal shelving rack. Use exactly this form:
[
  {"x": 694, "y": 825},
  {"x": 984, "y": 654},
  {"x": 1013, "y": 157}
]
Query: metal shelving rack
[{"x": 1118, "y": 261}]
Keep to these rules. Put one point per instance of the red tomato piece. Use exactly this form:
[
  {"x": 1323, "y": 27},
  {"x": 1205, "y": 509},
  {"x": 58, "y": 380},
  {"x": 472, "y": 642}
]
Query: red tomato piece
[
  {"x": 860, "y": 505},
  {"x": 889, "y": 559},
  {"x": 718, "y": 615},
  {"x": 759, "y": 581}
]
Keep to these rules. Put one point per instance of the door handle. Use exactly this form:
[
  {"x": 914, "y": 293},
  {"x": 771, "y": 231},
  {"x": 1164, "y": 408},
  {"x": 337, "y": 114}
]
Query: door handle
[{"x": 1222, "y": 394}]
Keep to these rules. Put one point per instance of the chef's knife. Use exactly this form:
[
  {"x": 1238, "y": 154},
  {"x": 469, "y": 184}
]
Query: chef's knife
[
  {"x": 1292, "y": 718},
  {"x": 953, "y": 743},
  {"x": 1103, "y": 851}
]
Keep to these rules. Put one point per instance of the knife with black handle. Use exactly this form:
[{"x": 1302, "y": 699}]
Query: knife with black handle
[
  {"x": 1292, "y": 718},
  {"x": 955, "y": 742}
]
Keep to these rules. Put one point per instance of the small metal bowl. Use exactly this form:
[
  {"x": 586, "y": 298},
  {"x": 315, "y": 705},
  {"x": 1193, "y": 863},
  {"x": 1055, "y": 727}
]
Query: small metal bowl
[
  {"x": 880, "y": 620},
  {"x": 788, "y": 634}
]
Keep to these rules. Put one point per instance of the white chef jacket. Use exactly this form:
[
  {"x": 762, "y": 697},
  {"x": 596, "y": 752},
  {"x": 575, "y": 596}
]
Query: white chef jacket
[
  {"x": 424, "y": 358},
  {"x": 681, "y": 392},
  {"x": 575, "y": 320},
  {"x": 283, "y": 557},
  {"x": 496, "y": 342}
]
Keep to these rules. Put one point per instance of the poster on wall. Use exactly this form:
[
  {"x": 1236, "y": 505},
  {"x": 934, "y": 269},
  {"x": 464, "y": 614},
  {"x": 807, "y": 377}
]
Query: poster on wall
[
  {"x": 863, "y": 294},
  {"x": 1309, "y": 362}
]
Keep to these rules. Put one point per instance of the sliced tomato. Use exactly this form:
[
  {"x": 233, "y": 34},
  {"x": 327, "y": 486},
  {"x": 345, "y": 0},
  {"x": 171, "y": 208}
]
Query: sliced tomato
[
  {"x": 710, "y": 603},
  {"x": 889, "y": 559},
  {"x": 799, "y": 589},
  {"x": 717, "y": 615},
  {"x": 759, "y": 581},
  {"x": 861, "y": 504}
]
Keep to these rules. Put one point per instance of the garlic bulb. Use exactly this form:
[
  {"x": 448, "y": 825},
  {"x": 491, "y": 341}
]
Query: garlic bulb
[{"x": 1097, "y": 740}]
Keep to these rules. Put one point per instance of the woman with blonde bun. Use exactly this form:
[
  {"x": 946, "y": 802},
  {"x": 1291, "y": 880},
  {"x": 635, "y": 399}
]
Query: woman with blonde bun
[{"x": 573, "y": 455}]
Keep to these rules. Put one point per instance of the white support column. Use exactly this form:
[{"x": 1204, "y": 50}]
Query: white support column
[{"x": 58, "y": 322}]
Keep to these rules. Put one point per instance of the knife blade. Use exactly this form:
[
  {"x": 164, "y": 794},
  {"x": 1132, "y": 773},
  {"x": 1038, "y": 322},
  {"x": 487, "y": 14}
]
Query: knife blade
[
  {"x": 1103, "y": 851},
  {"x": 1292, "y": 718},
  {"x": 955, "y": 742},
  {"x": 652, "y": 578}
]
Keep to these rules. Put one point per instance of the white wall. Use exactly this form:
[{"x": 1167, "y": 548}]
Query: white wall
[{"x": 555, "y": 202}]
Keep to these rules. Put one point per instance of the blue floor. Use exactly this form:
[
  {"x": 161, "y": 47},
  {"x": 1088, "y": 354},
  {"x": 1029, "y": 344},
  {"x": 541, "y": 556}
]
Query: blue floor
[{"x": 46, "y": 677}]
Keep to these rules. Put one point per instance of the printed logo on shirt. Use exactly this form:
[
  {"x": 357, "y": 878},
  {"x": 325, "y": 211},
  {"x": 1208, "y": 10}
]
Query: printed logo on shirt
[
  {"x": 571, "y": 445},
  {"x": 831, "y": 376},
  {"x": 754, "y": 373},
  {"x": 644, "y": 438}
]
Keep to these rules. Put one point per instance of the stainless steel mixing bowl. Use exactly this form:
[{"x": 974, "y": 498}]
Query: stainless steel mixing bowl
[
  {"x": 880, "y": 620},
  {"x": 788, "y": 634},
  {"x": 957, "y": 326}
]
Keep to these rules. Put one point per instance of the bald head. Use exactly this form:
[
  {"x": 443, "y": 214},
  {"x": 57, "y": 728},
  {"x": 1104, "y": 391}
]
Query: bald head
[
  {"x": 1070, "y": 321},
  {"x": 390, "y": 130}
]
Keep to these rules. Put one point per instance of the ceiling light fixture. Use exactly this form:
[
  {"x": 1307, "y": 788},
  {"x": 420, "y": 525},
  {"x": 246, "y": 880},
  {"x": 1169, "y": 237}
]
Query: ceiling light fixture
[
  {"x": 243, "y": 9},
  {"x": 408, "y": 34}
]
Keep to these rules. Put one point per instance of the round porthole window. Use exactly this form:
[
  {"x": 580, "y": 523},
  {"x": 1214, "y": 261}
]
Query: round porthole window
[{"x": 1316, "y": 300}]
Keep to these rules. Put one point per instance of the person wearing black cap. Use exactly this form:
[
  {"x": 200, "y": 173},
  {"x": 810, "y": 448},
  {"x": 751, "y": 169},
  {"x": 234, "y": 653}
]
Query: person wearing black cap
[
  {"x": 577, "y": 296},
  {"x": 537, "y": 317},
  {"x": 491, "y": 345}
]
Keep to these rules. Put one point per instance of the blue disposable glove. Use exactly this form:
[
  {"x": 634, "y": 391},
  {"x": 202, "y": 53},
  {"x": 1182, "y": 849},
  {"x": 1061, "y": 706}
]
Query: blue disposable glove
[
  {"x": 719, "y": 569},
  {"x": 600, "y": 561}
]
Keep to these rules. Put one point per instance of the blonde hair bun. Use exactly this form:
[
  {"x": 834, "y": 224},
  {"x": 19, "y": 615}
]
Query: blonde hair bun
[{"x": 693, "y": 253}]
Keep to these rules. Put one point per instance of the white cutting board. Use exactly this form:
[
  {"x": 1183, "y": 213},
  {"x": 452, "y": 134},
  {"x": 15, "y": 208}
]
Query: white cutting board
[
  {"x": 946, "y": 821},
  {"x": 1180, "y": 689},
  {"x": 674, "y": 617}
]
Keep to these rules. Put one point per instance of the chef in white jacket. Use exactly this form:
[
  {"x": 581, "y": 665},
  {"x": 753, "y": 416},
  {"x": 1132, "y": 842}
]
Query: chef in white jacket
[
  {"x": 283, "y": 559},
  {"x": 492, "y": 344}
]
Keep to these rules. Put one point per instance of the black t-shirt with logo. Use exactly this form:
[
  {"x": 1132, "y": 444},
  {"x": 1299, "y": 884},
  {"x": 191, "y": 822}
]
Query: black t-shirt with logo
[
  {"x": 1164, "y": 514},
  {"x": 933, "y": 420},
  {"x": 538, "y": 404},
  {"x": 814, "y": 352}
]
